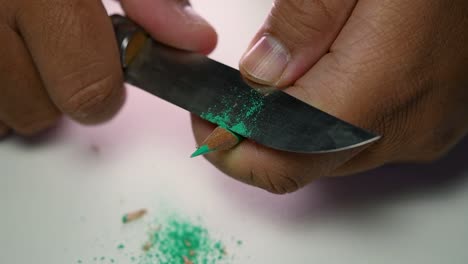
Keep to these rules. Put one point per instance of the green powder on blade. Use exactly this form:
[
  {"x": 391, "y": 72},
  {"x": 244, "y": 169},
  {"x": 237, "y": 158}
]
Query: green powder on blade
[
  {"x": 235, "y": 116},
  {"x": 220, "y": 119},
  {"x": 241, "y": 129},
  {"x": 180, "y": 241}
]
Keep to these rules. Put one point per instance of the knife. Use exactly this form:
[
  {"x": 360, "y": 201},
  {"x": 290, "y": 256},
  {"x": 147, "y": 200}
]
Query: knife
[{"x": 219, "y": 94}]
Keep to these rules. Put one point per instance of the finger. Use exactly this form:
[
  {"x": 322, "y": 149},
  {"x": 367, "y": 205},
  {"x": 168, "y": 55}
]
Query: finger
[
  {"x": 275, "y": 171},
  {"x": 3, "y": 130},
  {"x": 294, "y": 37},
  {"x": 173, "y": 22},
  {"x": 73, "y": 46},
  {"x": 24, "y": 103}
]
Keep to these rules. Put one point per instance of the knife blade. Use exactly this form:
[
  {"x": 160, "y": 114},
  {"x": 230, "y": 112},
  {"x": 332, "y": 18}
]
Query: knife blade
[{"x": 219, "y": 94}]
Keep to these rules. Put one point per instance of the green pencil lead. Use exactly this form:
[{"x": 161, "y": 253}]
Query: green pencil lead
[{"x": 202, "y": 150}]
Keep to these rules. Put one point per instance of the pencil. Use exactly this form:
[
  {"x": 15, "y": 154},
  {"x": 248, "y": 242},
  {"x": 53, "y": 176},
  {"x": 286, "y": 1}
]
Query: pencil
[
  {"x": 220, "y": 139},
  {"x": 127, "y": 218}
]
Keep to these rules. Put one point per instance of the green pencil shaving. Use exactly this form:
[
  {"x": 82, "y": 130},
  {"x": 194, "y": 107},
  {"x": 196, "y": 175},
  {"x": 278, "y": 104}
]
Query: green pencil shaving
[{"x": 130, "y": 217}]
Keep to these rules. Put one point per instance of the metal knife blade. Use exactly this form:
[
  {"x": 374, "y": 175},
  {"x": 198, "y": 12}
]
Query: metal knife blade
[{"x": 219, "y": 94}]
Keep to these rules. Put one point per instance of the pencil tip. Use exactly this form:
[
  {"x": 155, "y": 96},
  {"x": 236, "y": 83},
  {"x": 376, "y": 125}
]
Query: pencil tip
[{"x": 202, "y": 150}]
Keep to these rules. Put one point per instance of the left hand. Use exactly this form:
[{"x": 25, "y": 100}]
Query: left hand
[{"x": 60, "y": 57}]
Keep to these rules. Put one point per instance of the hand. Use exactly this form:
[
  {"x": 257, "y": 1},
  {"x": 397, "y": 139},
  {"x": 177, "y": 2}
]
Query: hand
[
  {"x": 60, "y": 56},
  {"x": 397, "y": 68}
]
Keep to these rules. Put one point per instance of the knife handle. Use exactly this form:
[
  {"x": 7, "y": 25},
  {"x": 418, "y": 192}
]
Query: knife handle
[{"x": 130, "y": 38}]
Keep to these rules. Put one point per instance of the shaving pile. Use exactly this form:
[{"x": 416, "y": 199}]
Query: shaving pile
[
  {"x": 171, "y": 239},
  {"x": 179, "y": 241}
]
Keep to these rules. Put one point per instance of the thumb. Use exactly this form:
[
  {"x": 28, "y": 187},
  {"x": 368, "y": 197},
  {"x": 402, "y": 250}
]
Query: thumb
[
  {"x": 294, "y": 37},
  {"x": 173, "y": 22}
]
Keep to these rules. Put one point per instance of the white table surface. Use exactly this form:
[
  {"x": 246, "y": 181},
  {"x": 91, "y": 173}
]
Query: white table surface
[{"x": 61, "y": 200}]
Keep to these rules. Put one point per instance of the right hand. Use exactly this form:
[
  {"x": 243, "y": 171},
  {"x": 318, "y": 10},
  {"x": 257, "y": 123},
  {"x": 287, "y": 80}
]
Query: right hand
[
  {"x": 395, "y": 67},
  {"x": 60, "y": 56}
]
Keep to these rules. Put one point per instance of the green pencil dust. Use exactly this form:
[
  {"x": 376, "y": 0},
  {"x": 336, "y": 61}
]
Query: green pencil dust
[
  {"x": 235, "y": 117},
  {"x": 172, "y": 239},
  {"x": 180, "y": 241}
]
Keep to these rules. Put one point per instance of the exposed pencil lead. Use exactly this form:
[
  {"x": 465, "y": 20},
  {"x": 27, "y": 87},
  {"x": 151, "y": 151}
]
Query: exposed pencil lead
[
  {"x": 219, "y": 139},
  {"x": 202, "y": 150}
]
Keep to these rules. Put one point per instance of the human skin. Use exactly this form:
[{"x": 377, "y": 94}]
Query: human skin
[
  {"x": 395, "y": 67},
  {"x": 60, "y": 57}
]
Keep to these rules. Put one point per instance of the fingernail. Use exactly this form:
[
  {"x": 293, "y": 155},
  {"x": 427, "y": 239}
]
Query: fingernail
[{"x": 266, "y": 61}]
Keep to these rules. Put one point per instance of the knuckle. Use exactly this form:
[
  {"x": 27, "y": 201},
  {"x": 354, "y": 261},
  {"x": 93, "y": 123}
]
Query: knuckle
[
  {"x": 90, "y": 94},
  {"x": 310, "y": 18},
  {"x": 274, "y": 181},
  {"x": 305, "y": 8}
]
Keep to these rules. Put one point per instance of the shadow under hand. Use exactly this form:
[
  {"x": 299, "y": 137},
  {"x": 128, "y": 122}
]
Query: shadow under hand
[
  {"x": 353, "y": 194},
  {"x": 45, "y": 137},
  {"x": 395, "y": 181}
]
